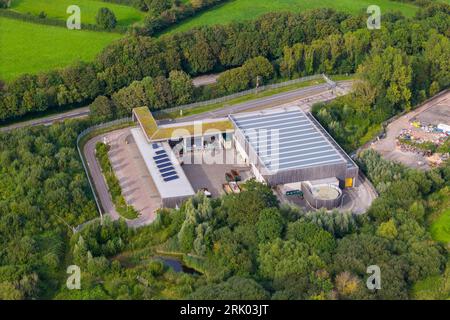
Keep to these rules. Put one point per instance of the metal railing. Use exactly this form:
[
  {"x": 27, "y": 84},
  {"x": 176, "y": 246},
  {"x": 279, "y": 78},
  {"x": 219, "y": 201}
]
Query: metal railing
[
  {"x": 329, "y": 81},
  {"x": 239, "y": 94},
  {"x": 83, "y": 134}
]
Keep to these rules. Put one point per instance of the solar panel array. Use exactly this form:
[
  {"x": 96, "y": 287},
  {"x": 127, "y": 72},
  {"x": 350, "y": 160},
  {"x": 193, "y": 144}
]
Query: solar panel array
[
  {"x": 164, "y": 164},
  {"x": 287, "y": 140}
]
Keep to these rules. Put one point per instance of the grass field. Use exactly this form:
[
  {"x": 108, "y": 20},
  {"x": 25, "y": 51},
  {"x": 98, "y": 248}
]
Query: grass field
[
  {"x": 431, "y": 288},
  {"x": 238, "y": 10},
  {"x": 57, "y": 9},
  {"x": 440, "y": 228},
  {"x": 32, "y": 48},
  {"x": 439, "y": 218}
]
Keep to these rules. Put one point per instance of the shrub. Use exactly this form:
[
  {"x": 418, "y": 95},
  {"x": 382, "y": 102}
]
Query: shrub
[
  {"x": 106, "y": 19},
  {"x": 5, "y": 3}
]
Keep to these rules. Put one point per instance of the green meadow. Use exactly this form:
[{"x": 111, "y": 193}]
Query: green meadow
[
  {"x": 33, "y": 48},
  {"x": 239, "y": 10},
  {"x": 440, "y": 228},
  {"x": 432, "y": 288},
  {"x": 125, "y": 15}
]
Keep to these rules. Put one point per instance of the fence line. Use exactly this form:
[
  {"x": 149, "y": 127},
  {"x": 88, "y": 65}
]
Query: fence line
[
  {"x": 238, "y": 94},
  {"x": 80, "y": 152},
  {"x": 48, "y": 21}
]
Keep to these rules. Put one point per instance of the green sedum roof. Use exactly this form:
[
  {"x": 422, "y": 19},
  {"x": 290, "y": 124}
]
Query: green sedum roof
[
  {"x": 155, "y": 133},
  {"x": 146, "y": 120}
]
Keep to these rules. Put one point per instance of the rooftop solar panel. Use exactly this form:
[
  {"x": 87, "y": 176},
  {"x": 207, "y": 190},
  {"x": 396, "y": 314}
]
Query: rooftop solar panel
[
  {"x": 295, "y": 165},
  {"x": 292, "y": 151},
  {"x": 279, "y": 126},
  {"x": 160, "y": 161},
  {"x": 283, "y": 145},
  {"x": 175, "y": 185},
  {"x": 162, "y": 156},
  {"x": 303, "y": 162},
  {"x": 167, "y": 174},
  {"x": 251, "y": 134},
  {"x": 170, "y": 178},
  {"x": 164, "y": 164},
  {"x": 243, "y": 119},
  {"x": 279, "y": 141},
  {"x": 161, "y": 152},
  {"x": 162, "y": 170},
  {"x": 281, "y": 122},
  {"x": 155, "y": 145},
  {"x": 287, "y": 139}
]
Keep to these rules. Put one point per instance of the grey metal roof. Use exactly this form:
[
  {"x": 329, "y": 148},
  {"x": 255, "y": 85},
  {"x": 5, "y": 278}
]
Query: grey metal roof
[{"x": 287, "y": 139}]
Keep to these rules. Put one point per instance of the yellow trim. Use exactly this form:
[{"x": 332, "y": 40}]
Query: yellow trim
[{"x": 348, "y": 182}]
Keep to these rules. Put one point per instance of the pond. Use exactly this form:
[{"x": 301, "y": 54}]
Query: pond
[{"x": 176, "y": 264}]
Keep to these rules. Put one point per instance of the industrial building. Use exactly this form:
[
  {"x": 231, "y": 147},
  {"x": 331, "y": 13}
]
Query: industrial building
[
  {"x": 282, "y": 146},
  {"x": 165, "y": 170},
  {"x": 286, "y": 145}
]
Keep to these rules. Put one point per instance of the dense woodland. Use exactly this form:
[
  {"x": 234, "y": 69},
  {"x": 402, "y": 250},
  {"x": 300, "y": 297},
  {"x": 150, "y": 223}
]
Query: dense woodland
[
  {"x": 401, "y": 65},
  {"x": 197, "y": 51},
  {"x": 393, "y": 80},
  {"x": 41, "y": 178},
  {"x": 243, "y": 245},
  {"x": 332, "y": 42},
  {"x": 262, "y": 250}
]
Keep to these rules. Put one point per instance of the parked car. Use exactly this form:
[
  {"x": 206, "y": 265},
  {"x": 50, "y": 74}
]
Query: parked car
[
  {"x": 229, "y": 177},
  {"x": 236, "y": 175},
  {"x": 206, "y": 192},
  {"x": 227, "y": 188},
  {"x": 234, "y": 187}
]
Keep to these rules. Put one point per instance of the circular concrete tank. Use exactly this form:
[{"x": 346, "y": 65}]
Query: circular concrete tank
[
  {"x": 326, "y": 192},
  {"x": 322, "y": 196}
]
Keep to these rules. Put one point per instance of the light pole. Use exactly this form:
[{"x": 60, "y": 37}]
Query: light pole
[{"x": 342, "y": 199}]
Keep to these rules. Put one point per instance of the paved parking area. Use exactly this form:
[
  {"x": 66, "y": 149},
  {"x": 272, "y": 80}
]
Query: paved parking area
[
  {"x": 212, "y": 176},
  {"x": 137, "y": 185}
]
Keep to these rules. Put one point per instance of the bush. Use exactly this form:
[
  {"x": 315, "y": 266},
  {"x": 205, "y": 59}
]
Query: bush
[
  {"x": 106, "y": 19},
  {"x": 113, "y": 183},
  {"x": 197, "y": 51},
  {"x": 102, "y": 108},
  {"x": 5, "y": 4},
  {"x": 253, "y": 72},
  {"x": 163, "y": 13}
]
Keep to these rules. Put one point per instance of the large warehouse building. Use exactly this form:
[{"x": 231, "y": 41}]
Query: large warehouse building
[
  {"x": 286, "y": 145},
  {"x": 283, "y": 146}
]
